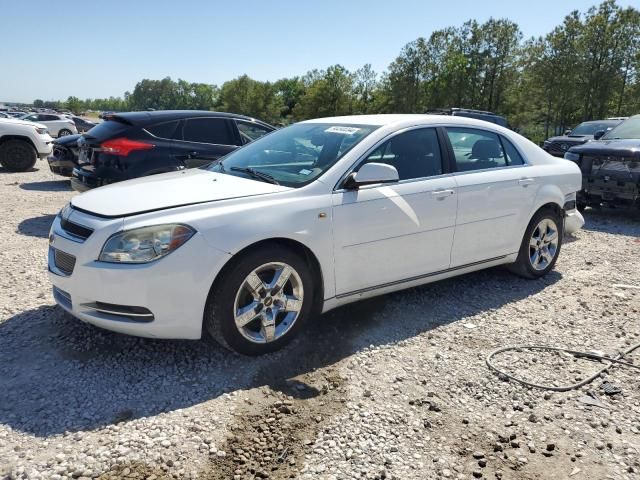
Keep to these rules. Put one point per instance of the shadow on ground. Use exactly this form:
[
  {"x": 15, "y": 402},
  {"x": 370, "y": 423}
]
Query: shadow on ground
[
  {"x": 47, "y": 186},
  {"x": 36, "y": 226},
  {"x": 59, "y": 374},
  {"x": 616, "y": 221}
]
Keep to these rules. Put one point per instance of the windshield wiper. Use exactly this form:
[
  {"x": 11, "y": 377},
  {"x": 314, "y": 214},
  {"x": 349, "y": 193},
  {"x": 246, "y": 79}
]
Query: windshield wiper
[{"x": 265, "y": 177}]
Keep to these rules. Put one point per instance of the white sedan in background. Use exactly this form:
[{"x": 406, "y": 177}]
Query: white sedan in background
[
  {"x": 58, "y": 125},
  {"x": 310, "y": 217}
]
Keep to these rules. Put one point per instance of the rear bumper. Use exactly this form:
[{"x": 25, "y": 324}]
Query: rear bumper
[
  {"x": 83, "y": 180},
  {"x": 60, "y": 167}
]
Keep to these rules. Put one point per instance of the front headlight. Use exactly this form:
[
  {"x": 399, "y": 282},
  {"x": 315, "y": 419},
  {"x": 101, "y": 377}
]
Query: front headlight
[
  {"x": 146, "y": 244},
  {"x": 574, "y": 157},
  {"x": 41, "y": 131}
]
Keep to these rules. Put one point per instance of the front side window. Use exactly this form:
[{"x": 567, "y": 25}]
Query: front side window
[
  {"x": 414, "y": 154},
  {"x": 251, "y": 131},
  {"x": 294, "y": 156},
  {"x": 207, "y": 130},
  {"x": 476, "y": 149}
]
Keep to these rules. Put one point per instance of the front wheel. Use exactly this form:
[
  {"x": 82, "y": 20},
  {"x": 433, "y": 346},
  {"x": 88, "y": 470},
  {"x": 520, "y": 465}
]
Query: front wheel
[
  {"x": 540, "y": 246},
  {"x": 261, "y": 302},
  {"x": 17, "y": 155}
]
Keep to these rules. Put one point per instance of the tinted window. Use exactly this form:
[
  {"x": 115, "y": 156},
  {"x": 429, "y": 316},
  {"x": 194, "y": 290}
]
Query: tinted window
[
  {"x": 476, "y": 149},
  {"x": 513, "y": 156},
  {"x": 415, "y": 154},
  {"x": 207, "y": 130},
  {"x": 107, "y": 129},
  {"x": 629, "y": 129},
  {"x": 251, "y": 131},
  {"x": 163, "y": 130}
]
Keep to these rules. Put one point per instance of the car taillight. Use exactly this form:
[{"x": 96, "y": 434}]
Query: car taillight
[{"x": 124, "y": 146}]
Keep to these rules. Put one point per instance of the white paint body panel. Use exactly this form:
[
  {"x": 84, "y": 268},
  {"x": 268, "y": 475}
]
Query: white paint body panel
[{"x": 368, "y": 242}]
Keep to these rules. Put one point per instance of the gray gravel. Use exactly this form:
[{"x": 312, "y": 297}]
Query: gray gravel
[{"x": 395, "y": 387}]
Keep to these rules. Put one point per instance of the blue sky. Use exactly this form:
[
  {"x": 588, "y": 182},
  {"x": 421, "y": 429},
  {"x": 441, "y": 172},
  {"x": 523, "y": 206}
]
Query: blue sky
[{"x": 51, "y": 50}]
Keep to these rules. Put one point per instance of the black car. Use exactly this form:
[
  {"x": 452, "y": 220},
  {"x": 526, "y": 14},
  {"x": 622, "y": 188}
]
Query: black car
[
  {"x": 64, "y": 155},
  {"x": 82, "y": 125},
  {"x": 610, "y": 166},
  {"x": 583, "y": 133},
  {"x": 136, "y": 144}
]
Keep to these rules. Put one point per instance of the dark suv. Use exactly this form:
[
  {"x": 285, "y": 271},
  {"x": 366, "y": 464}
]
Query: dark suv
[
  {"x": 584, "y": 132},
  {"x": 136, "y": 144},
  {"x": 610, "y": 166},
  {"x": 470, "y": 113}
]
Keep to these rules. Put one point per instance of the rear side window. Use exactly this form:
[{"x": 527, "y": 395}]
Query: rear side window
[
  {"x": 207, "y": 130},
  {"x": 476, "y": 149},
  {"x": 165, "y": 130},
  {"x": 513, "y": 157}
]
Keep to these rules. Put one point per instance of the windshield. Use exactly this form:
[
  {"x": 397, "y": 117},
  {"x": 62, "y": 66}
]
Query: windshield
[
  {"x": 296, "y": 155},
  {"x": 590, "y": 128},
  {"x": 629, "y": 129}
]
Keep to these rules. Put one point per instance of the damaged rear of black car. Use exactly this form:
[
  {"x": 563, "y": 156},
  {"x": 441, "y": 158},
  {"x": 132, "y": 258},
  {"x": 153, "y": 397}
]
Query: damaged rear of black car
[{"x": 610, "y": 167}]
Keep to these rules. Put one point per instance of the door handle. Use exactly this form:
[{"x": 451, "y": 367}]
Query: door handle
[
  {"x": 526, "y": 181},
  {"x": 442, "y": 193}
]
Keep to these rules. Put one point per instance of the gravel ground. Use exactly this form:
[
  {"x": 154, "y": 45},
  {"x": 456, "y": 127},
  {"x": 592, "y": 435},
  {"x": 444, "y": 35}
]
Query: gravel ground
[{"x": 395, "y": 387}]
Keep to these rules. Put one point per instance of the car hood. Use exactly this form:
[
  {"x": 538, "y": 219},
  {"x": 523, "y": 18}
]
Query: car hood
[
  {"x": 17, "y": 121},
  {"x": 569, "y": 139},
  {"x": 624, "y": 148},
  {"x": 168, "y": 190}
]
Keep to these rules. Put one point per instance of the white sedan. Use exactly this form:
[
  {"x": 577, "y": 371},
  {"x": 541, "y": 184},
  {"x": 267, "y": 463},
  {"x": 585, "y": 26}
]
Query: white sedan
[{"x": 310, "y": 217}]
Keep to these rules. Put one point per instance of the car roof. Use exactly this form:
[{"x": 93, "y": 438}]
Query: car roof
[
  {"x": 400, "y": 119},
  {"x": 144, "y": 118}
]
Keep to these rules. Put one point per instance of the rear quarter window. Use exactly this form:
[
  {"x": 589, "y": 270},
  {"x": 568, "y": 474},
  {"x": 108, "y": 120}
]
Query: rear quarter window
[{"x": 165, "y": 130}]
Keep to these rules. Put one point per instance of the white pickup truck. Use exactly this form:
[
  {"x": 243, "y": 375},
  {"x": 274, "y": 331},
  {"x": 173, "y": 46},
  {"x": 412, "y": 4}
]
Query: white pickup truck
[{"x": 21, "y": 143}]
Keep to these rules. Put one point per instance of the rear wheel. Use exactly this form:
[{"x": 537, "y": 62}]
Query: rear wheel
[
  {"x": 261, "y": 302},
  {"x": 540, "y": 246},
  {"x": 17, "y": 155},
  {"x": 64, "y": 132}
]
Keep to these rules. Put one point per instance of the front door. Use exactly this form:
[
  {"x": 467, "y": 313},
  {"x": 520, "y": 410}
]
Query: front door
[{"x": 389, "y": 233}]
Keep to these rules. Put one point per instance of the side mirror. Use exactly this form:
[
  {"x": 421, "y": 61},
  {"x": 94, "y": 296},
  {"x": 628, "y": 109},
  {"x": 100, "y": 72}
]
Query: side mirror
[
  {"x": 370, "y": 174},
  {"x": 598, "y": 134},
  {"x": 567, "y": 132}
]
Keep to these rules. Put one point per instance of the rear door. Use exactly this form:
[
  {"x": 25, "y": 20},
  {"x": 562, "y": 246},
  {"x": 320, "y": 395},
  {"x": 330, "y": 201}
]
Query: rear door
[
  {"x": 496, "y": 192},
  {"x": 201, "y": 140}
]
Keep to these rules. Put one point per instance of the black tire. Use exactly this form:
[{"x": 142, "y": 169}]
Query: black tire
[
  {"x": 523, "y": 266},
  {"x": 17, "y": 155},
  {"x": 64, "y": 132},
  {"x": 219, "y": 311}
]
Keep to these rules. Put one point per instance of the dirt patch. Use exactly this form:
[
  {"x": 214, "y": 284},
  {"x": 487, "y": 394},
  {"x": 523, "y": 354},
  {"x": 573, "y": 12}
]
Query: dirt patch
[{"x": 274, "y": 429}]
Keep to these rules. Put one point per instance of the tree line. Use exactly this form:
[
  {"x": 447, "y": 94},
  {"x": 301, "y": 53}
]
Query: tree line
[{"x": 586, "y": 68}]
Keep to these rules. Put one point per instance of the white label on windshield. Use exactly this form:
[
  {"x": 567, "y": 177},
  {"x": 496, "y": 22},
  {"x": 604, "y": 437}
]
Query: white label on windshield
[
  {"x": 304, "y": 171},
  {"x": 343, "y": 130}
]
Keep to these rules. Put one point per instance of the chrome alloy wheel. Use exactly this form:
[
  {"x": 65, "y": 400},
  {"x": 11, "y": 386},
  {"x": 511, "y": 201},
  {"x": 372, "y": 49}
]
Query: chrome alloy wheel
[
  {"x": 543, "y": 244},
  {"x": 268, "y": 302}
]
